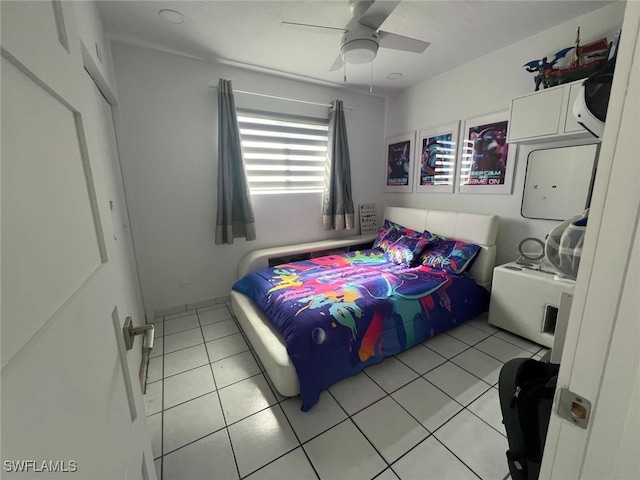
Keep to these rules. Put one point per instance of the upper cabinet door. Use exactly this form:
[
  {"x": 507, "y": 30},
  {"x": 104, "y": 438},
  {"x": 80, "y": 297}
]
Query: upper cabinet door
[
  {"x": 571, "y": 124},
  {"x": 546, "y": 115},
  {"x": 536, "y": 115}
]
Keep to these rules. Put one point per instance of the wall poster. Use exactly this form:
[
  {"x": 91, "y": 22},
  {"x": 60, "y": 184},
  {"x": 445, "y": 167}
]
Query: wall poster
[
  {"x": 436, "y": 159},
  {"x": 398, "y": 163},
  {"x": 487, "y": 161}
]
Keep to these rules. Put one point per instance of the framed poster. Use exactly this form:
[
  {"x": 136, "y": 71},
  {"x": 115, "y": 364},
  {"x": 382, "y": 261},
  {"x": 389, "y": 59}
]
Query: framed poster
[
  {"x": 487, "y": 162},
  {"x": 436, "y": 159},
  {"x": 398, "y": 160}
]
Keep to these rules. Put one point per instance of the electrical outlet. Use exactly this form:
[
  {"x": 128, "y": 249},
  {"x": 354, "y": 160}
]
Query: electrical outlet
[{"x": 184, "y": 279}]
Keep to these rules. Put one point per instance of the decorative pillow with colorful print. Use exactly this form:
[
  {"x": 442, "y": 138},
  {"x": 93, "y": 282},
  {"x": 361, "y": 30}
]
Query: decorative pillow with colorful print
[
  {"x": 390, "y": 233},
  {"x": 407, "y": 249},
  {"x": 386, "y": 226},
  {"x": 449, "y": 254}
]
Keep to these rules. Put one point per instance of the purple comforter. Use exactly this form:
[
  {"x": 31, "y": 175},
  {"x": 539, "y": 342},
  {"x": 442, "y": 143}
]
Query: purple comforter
[{"x": 341, "y": 313}]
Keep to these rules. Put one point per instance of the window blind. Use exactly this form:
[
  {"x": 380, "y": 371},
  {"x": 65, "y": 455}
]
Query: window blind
[{"x": 283, "y": 153}]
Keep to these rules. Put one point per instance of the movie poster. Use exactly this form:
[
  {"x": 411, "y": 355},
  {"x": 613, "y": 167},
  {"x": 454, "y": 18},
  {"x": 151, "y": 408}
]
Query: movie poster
[
  {"x": 489, "y": 148},
  {"x": 398, "y": 164},
  {"x": 437, "y": 159}
]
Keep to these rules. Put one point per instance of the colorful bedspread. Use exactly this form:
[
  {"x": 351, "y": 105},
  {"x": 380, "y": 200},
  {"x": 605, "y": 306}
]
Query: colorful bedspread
[{"x": 341, "y": 313}]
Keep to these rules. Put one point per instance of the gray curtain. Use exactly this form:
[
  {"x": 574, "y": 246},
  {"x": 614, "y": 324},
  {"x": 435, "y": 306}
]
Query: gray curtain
[
  {"x": 337, "y": 208},
  {"x": 235, "y": 213}
]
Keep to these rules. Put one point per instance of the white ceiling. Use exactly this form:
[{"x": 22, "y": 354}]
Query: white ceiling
[{"x": 249, "y": 34}]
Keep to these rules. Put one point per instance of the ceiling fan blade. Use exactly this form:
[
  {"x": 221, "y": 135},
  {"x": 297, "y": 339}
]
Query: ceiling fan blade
[
  {"x": 312, "y": 28},
  {"x": 400, "y": 42},
  {"x": 337, "y": 64},
  {"x": 377, "y": 13}
]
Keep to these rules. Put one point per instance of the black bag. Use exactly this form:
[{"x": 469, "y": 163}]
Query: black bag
[{"x": 526, "y": 388}]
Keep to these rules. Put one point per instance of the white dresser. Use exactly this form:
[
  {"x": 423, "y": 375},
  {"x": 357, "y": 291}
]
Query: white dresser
[{"x": 526, "y": 301}]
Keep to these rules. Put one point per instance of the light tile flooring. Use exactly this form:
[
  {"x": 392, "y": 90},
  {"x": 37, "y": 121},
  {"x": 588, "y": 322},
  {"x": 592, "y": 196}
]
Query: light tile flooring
[{"x": 431, "y": 412}]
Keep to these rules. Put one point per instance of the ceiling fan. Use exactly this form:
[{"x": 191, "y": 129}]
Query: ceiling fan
[{"x": 360, "y": 37}]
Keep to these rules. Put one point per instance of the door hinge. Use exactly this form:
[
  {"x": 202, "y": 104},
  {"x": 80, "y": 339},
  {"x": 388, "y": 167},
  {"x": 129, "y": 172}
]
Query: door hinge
[{"x": 574, "y": 408}]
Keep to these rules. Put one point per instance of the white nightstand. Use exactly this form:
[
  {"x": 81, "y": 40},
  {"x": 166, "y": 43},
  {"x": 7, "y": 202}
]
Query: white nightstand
[{"x": 525, "y": 301}]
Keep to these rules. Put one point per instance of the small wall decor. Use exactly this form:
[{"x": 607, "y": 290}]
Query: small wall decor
[
  {"x": 435, "y": 165},
  {"x": 368, "y": 220},
  {"x": 398, "y": 163},
  {"x": 487, "y": 161}
]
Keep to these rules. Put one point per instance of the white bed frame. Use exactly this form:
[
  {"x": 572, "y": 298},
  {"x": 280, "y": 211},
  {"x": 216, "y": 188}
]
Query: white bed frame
[{"x": 269, "y": 343}]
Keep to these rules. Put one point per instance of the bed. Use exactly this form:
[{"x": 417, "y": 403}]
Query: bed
[{"x": 347, "y": 339}]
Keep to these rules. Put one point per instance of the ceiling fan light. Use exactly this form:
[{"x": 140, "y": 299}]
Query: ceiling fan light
[
  {"x": 172, "y": 16},
  {"x": 359, "y": 51}
]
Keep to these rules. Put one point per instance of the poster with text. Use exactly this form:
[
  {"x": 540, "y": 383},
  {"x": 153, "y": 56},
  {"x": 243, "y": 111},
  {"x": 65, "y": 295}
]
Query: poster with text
[
  {"x": 437, "y": 159},
  {"x": 398, "y": 163},
  {"x": 486, "y": 165}
]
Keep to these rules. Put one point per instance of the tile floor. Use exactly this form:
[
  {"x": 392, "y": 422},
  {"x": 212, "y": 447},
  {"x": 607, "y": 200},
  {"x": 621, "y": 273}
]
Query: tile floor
[{"x": 431, "y": 412}]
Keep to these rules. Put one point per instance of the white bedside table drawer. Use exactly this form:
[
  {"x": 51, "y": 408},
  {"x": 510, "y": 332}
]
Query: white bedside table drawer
[{"x": 526, "y": 302}]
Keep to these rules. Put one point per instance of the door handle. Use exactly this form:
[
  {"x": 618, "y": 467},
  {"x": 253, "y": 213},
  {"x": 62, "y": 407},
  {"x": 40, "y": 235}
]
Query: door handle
[{"x": 130, "y": 332}]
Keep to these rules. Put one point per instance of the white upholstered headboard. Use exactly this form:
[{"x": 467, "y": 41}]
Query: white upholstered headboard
[{"x": 471, "y": 227}]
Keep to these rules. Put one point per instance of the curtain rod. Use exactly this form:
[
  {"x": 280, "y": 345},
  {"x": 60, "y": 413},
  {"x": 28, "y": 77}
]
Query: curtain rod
[{"x": 211, "y": 85}]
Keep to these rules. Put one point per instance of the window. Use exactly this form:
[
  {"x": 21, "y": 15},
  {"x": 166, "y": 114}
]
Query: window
[{"x": 283, "y": 153}]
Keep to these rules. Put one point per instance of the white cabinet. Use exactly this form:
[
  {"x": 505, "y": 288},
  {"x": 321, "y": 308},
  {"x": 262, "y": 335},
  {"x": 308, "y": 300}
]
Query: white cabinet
[
  {"x": 571, "y": 125},
  {"x": 526, "y": 301},
  {"x": 545, "y": 115}
]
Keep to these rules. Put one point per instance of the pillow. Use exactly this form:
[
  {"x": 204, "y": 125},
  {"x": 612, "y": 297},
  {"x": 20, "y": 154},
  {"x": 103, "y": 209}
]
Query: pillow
[
  {"x": 405, "y": 249},
  {"x": 449, "y": 254},
  {"x": 393, "y": 231},
  {"x": 386, "y": 226}
]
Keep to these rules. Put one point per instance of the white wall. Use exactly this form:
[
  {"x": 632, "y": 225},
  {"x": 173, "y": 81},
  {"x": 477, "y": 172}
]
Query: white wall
[
  {"x": 168, "y": 147},
  {"x": 487, "y": 85}
]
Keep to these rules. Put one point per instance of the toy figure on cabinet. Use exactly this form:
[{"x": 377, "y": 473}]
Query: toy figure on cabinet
[{"x": 584, "y": 61}]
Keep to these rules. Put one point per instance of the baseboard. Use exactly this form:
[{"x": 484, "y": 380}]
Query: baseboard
[
  {"x": 169, "y": 311},
  {"x": 202, "y": 304},
  {"x": 161, "y": 312}
]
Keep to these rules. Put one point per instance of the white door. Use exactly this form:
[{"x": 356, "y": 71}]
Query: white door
[
  {"x": 102, "y": 148},
  {"x": 601, "y": 358},
  {"x": 70, "y": 398}
]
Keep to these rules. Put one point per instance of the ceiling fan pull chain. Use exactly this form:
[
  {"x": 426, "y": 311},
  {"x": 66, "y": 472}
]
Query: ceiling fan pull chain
[
  {"x": 371, "y": 83},
  {"x": 345, "y": 71}
]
